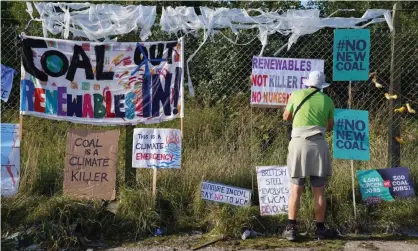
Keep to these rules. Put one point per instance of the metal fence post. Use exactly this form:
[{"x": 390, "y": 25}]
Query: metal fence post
[{"x": 394, "y": 149}]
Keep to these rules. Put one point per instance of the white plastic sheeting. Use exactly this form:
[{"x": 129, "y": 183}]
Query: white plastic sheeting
[
  {"x": 103, "y": 20},
  {"x": 96, "y": 21},
  {"x": 294, "y": 22}
]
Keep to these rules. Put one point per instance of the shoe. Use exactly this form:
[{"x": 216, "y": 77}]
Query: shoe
[
  {"x": 323, "y": 233},
  {"x": 290, "y": 233}
]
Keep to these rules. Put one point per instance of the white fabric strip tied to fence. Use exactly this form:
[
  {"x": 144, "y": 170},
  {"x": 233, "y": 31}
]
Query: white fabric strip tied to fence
[{"x": 96, "y": 21}]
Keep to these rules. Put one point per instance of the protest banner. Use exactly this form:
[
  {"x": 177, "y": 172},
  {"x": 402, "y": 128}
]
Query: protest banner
[
  {"x": 7, "y": 75},
  {"x": 10, "y": 159},
  {"x": 225, "y": 194},
  {"x": 159, "y": 148},
  {"x": 385, "y": 184},
  {"x": 351, "y": 54},
  {"x": 273, "y": 189},
  {"x": 102, "y": 83},
  {"x": 274, "y": 79},
  {"x": 90, "y": 164},
  {"x": 351, "y": 134}
]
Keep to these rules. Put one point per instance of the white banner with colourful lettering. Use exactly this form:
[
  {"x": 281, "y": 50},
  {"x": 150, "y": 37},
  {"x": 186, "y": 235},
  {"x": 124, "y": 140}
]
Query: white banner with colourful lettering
[
  {"x": 274, "y": 79},
  {"x": 102, "y": 83}
]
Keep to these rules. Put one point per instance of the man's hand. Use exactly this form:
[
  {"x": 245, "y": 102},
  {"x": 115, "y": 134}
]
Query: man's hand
[{"x": 287, "y": 116}]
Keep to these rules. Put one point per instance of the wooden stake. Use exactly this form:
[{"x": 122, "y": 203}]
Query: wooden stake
[
  {"x": 209, "y": 243},
  {"x": 350, "y": 99},
  {"x": 394, "y": 148},
  {"x": 20, "y": 127},
  {"x": 182, "y": 92},
  {"x": 182, "y": 126},
  {"x": 154, "y": 183}
]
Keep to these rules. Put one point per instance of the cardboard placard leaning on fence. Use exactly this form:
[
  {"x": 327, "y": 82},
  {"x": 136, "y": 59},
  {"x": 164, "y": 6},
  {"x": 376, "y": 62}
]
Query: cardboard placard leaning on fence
[{"x": 90, "y": 164}]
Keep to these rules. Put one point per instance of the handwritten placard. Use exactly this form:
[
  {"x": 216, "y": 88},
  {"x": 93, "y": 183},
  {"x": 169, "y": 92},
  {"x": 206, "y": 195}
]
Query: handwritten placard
[
  {"x": 273, "y": 189},
  {"x": 156, "y": 148},
  {"x": 10, "y": 159},
  {"x": 226, "y": 194},
  {"x": 90, "y": 164}
]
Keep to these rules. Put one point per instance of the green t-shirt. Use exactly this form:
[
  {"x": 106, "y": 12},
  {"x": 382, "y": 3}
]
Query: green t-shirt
[{"x": 314, "y": 112}]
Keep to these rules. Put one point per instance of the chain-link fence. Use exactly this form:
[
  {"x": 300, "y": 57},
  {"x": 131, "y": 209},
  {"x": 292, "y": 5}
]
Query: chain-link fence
[{"x": 221, "y": 76}]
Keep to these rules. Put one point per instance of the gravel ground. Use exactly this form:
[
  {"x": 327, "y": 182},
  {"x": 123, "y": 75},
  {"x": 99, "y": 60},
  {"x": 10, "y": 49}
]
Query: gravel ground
[
  {"x": 380, "y": 245},
  {"x": 349, "y": 246}
]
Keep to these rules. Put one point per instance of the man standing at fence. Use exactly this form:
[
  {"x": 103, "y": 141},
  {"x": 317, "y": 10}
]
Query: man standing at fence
[{"x": 312, "y": 113}]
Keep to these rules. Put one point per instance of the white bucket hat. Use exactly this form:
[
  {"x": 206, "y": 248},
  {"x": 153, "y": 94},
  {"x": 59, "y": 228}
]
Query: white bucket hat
[{"x": 316, "y": 79}]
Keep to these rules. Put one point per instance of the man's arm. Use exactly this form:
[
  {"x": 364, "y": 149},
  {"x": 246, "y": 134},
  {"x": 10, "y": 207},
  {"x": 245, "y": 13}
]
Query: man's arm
[
  {"x": 288, "y": 111},
  {"x": 287, "y": 116},
  {"x": 330, "y": 124}
]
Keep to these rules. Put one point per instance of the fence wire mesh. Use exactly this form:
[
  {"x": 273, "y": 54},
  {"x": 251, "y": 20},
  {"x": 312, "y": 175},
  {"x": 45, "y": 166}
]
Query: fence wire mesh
[{"x": 221, "y": 76}]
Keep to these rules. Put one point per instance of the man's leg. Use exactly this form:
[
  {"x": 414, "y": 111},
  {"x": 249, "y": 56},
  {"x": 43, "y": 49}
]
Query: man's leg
[
  {"x": 294, "y": 198},
  {"x": 296, "y": 190},
  {"x": 319, "y": 202},
  {"x": 318, "y": 190}
]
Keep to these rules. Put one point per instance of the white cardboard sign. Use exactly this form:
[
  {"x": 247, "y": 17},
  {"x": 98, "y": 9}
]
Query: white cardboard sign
[
  {"x": 226, "y": 194},
  {"x": 273, "y": 189},
  {"x": 10, "y": 159},
  {"x": 274, "y": 79},
  {"x": 156, "y": 148}
]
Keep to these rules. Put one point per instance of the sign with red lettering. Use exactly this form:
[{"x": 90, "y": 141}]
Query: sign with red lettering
[
  {"x": 10, "y": 159},
  {"x": 385, "y": 184},
  {"x": 90, "y": 164},
  {"x": 273, "y": 189},
  {"x": 274, "y": 79},
  {"x": 225, "y": 194},
  {"x": 159, "y": 148},
  {"x": 102, "y": 83}
]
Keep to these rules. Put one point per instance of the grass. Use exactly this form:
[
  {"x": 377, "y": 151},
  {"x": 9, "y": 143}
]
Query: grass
[{"x": 219, "y": 145}]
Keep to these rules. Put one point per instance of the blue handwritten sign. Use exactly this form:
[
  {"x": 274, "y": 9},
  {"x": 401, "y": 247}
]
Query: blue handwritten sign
[
  {"x": 351, "y": 54},
  {"x": 351, "y": 134},
  {"x": 385, "y": 184}
]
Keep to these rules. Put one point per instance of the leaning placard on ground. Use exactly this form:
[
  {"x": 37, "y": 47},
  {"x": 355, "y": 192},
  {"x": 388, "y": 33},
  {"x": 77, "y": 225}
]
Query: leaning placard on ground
[
  {"x": 10, "y": 159},
  {"x": 102, "y": 83},
  {"x": 225, "y": 194},
  {"x": 274, "y": 79},
  {"x": 90, "y": 164},
  {"x": 351, "y": 134},
  {"x": 385, "y": 184},
  {"x": 156, "y": 148},
  {"x": 273, "y": 189},
  {"x": 351, "y": 54}
]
